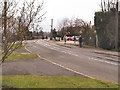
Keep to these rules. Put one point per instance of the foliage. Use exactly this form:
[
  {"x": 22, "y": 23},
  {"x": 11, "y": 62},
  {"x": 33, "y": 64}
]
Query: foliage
[
  {"x": 75, "y": 28},
  {"x": 105, "y": 26},
  {"x": 88, "y": 36},
  {"x": 54, "y": 33}
]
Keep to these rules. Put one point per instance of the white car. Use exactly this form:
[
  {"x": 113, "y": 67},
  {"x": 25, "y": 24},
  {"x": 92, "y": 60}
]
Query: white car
[
  {"x": 76, "y": 37},
  {"x": 57, "y": 38}
]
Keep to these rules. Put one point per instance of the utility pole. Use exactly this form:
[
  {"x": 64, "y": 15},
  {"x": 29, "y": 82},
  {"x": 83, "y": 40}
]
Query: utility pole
[
  {"x": 51, "y": 28},
  {"x": 116, "y": 27},
  {"x": 51, "y": 25},
  {"x": 5, "y": 26}
]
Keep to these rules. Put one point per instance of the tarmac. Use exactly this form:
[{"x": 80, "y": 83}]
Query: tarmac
[
  {"x": 35, "y": 66},
  {"x": 97, "y": 50},
  {"x": 111, "y": 54}
]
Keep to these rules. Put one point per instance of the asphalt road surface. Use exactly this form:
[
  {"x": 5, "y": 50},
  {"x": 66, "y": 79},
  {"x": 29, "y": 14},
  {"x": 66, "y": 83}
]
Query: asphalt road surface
[
  {"x": 77, "y": 60},
  {"x": 35, "y": 66}
]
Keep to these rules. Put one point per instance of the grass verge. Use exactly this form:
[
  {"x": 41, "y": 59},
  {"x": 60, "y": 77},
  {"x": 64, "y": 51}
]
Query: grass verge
[
  {"x": 15, "y": 45},
  {"x": 30, "y": 81},
  {"x": 85, "y": 46},
  {"x": 15, "y": 56},
  {"x": 57, "y": 41},
  {"x": 72, "y": 44}
]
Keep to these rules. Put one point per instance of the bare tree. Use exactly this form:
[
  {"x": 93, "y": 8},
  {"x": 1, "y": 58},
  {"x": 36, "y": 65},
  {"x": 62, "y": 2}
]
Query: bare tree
[
  {"x": 106, "y": 5},
  {"x": 30, "y": 15},
  {"x": 15, "y": 26},
  {"x": 71, "y": 26},
  {"x": 9, "y": 27}
]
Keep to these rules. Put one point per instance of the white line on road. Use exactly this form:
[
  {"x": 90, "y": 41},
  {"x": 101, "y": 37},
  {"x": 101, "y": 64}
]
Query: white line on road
[
  {"x": 72, "y": 53},
  {"x": 104, "y": 61},
  {"x": 62, "y": 66},
  {"x": 77, "y": 72},
  {"x": 59, "y": 49}
]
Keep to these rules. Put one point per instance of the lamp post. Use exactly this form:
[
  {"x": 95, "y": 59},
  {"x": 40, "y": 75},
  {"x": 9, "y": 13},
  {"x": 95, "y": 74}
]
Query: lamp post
[{"x": 51, "y": 35}]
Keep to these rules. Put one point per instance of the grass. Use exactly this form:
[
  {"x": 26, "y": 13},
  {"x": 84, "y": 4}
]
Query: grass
[
  {"x": 30, "y": 81},
  {"x": 86, "y": 46},
  {"x": 15, "y": 56},
  {"x": 21, "y": 47},
  {"x": 73, "y": 44},
  {"x": 57, "y": 41}
]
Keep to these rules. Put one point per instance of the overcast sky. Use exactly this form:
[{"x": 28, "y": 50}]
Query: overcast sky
[{"x": 60, "y": 9}]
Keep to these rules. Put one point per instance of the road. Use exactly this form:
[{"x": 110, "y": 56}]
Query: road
[
  {"x": 35, "y": 67},
  {"x": 79, "y": 60}
]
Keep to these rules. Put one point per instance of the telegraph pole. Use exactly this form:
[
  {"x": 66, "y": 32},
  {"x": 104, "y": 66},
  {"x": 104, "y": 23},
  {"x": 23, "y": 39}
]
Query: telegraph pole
[
  {"x": 51, "y": 27},
  {"x": 116, "y": 28}
]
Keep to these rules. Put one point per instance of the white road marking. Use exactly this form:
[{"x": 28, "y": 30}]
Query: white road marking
[
  {"x": 104, "y": 61},
  {"x": 62, "y": 66},
  {"x": 63, "y": 51},
  {"x": 72, "y": 53}
]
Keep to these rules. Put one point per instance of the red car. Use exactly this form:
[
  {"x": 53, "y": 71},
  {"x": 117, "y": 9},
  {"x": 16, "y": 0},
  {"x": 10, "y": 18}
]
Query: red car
[{"x": 69, "y": 38}]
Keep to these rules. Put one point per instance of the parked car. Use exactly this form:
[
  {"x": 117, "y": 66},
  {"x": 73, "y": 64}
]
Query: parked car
[
  {"x": 57, "y": 38},
  {"x": 69, "y": 38},
  {"x": 77, "y": 38}
]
